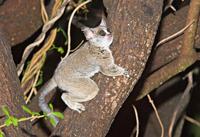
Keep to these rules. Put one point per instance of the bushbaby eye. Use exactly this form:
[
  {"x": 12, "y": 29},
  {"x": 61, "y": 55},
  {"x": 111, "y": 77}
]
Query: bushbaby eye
[{"x": 102, "y": 32}]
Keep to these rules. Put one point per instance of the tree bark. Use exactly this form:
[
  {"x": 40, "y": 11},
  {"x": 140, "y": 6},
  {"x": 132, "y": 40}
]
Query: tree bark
[
  {"x": 134, "y": 24},
  {"x": 11, "y": 94},
  {"x": 170, "y": 50},
  {"x": 186, "y": 58},
  {"x": 21, "y": 19}
]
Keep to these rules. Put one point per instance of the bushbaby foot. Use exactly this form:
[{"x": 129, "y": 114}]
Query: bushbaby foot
[
  {"x": 78, "y": 107},
  {"x": 126, "y": 74},
  {"x": 72, "y": 104}
]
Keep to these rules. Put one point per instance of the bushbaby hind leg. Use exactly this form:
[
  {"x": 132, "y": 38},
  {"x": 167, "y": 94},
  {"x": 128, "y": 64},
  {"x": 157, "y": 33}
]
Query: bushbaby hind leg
[
  {"x": 78, "y": 90},
  {"x": 71, "y": 104}
]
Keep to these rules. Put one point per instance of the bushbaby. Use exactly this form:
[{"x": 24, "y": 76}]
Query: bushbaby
[{"x": 73, "y": 74}]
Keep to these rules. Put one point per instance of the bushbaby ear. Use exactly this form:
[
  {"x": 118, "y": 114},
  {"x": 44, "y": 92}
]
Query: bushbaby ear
[
  {"x": 103, "y": 22},
  {"x": 87, "y": 32}
]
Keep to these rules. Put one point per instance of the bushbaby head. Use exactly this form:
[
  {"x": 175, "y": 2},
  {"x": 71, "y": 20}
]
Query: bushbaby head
[{"x": 98, "y": 36}]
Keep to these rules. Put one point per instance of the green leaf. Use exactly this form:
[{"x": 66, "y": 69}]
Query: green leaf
[
  {"x": 8, "y": 122},
  {"x": 58, "y": 114},
  {"x": 5, "y": 111},
  {"x": 63, "y": 32},
  {"x": 27, "y": 110},
  {"x": 53, "y": 47},
  {"x": 14, "y": 121},
  {"x": 52, "y": 121},
  {"x": 1, "y": 134},
  {"x": 51, "y": 106},
  {"x": 36, "y": 113},
  {"x": 60, "y": 50}
]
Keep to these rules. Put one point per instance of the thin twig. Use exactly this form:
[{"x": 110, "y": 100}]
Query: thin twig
[
  {"x": 69, "y": 25},
  {"x": 41, "y": 37},
  {"x": 28, "y": 88},
  {"x": 174, "y": 35},
  {"x": 37, "y": 56},
  {"x": 56, "y": 6},
  {"x": 25, "y": 119},
  {"x": 133, "y": 132},
  {"x": 137, "y": 121},
  {"x": 44, "y": 14},
  {"x": 193, "y": 121},
  {"x": 37, "y": 61},
  {"x": 33, "y": 87},
  {"x": 178, "y": 107},
  {"x": 31, "y": 118},
  {"x": 157, "y": 115},
  {"x": 30, "y": 72},
  {"x": 169, "y": 5},
  {"x": 79, "y": 45}
]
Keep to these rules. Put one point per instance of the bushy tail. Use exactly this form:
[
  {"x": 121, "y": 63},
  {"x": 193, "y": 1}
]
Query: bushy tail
[{"x": 46, "y": 89}]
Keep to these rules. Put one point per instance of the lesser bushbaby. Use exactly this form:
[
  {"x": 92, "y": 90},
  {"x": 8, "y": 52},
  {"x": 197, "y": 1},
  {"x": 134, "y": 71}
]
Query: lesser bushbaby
[{"x": 73, "y": 74}]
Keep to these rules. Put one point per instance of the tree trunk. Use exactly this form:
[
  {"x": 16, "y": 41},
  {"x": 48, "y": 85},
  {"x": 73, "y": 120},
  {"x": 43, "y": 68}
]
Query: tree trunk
[
  {"x": 11, "y": 94},
  {"x": 134, "y": 24}
]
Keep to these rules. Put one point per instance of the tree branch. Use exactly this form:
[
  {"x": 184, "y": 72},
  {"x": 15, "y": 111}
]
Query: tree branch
[
  {"x": 10, "y": 91},
  {"x": 134, "y": 32},
  {"x": 186, "y": 58}
]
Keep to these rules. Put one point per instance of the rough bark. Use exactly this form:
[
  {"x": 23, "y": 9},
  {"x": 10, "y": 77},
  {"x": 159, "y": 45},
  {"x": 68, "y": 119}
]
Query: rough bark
[
  {"x": 187, "y": 57},
  {"x": 168, "y": 94},
  {"x": 11, "y": 94},
  {"x": 134, "y": 24},
  {"x": 170, "y": 50},
  {"x": 21, "y": 19}
]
